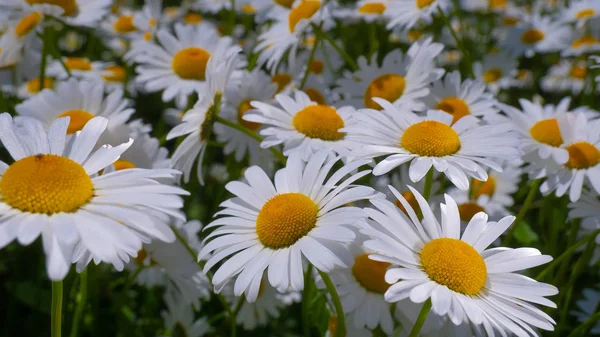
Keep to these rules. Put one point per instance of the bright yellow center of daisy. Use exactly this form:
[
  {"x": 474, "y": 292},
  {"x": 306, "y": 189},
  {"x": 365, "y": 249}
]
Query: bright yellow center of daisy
[
  {"x": 582, "y": 155},
  {"x": 319, "y": 121},
  {"x": 284, "y": 219},
  {"x": 412, "y": 201},
  {"x": 578, "y": 72},
  {"x": 492, "y": 75},
  {"x": 370, "y": 274},
  {"x": 389, "y": 87},
  {"x": 454, "y": 106},
  {"x": 372, "y": 8},
  {"x": 305, "y": 10},
  {"x": 510, "y": 21},
  {"x": 316, "y": 67},
  {"x": 78, "y": 119},
  {"x": 248, "y": 9},
  {"x": 547, "y": 132},
  {"x": 414, "y": 35},
  {"x": 586, "y": 40},
  {"x": 285, "y": 3},
  {"x": 245, "y": 106},
  {"x": 46, "y": 184},
  {"x": 190, "y": 63},
  {"x": 282, "y": 80},
  {"x": 468, "y": 210},
  {"x": 586, "y": 13},
  {"x": 315, "y": 96},
  {"x": 115, "y": 74},
  {"x": 27, "y": 24},
  {"x": 192, "y": 18},
  {"x": 497, "y": 3},
  {"x": 141, "y": 256},
  {"x": 33, "y": 86},
  {"x": 430, "y": 139},
  {"x": 124, "y": 24},
  {"x": 69, "y": 6},
  {"x": 455, "y": 264},
  {"x": 480, "y": 188},
  {"x": 78, "y": 63},
  {"x": 423, "y": 3},
  {"x": 122, "y": 164},
  {"x": 532, "y": 36}
]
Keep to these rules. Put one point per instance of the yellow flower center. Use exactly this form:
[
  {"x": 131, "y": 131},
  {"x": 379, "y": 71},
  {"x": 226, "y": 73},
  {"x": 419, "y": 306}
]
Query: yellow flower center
[
  {"x": 492, "y": 75},
  {"x": 319, "y": 121},
  {"x": 454, "y": 106},
  {"x": 69, "y": 6},
  {"x": 468, "y": 210},
  {"x": 285, "y": 219},
  {"x": 582, "y": 155},
  {"x": 245, "y": 106},
  {"x": 547, "y": 132},
  {"x": 389, "y": 87},
  {"x": 372, "y": 8},
  {"x": 147, "y": 36},
  {"x": 282, "y": 81},
  {"x": 414, "y": 35},
  {"x": 455, "y": 264},
  {"x": 412, "y": 201},
  {"x": 315, "y": 96},
  {"x": 248, "y": 9},
  {"x": 116, "y": 74},
  {"x": 285, "y": 3},
  {"x": 586, "y": 40},
  {"x": 122, "y": 164},
  {"x": 578, "y": 72},
  {"x": 316, "y": 67},
  {"x": 190, "y": 63},
  {"x": 46, "y": 184},
  {"x": 124, "y": 24},
  {"x": 480, "y": 188},
  {"x": 510, "y": 21},
  {"x": 78, "y": 119},
  {"x": 152, "y": 22},
  {"x": 522, "y": 74},
  {"x": 532, "y": 36},
  {"x": 27, "y": 24},
  {"x": 192, "y": 18},
  {"x": 370, "y": 274},
  {"x": 305, "y": 10},
  {"x": 33, "y": 86},
  {"x": 423, "y": 3},
  {"x": 78, "y": 63},
  {"x": 585, "y": 13},
  {"x": 430, "y": 139},
  {"x": 141, "y": 256},
  {"x": 494, "y": 4}
]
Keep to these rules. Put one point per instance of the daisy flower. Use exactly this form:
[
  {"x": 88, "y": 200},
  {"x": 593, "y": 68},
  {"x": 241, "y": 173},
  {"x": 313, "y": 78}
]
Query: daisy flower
[
  {"x": 460, "y": 99},
  {"x": 587, "y": 208},
  {"x": 148, "y": 19},
  {"x": 585, "y": 41},
  {"x": 464, "y": 280},
  {"x": 459, "y": 150},
  {"x": 539, "y": 34},
  {"x": 79, "y": 67},
  {"x": 588, "y": 306},
  {"x": 580, "y": 12},
  {"x": 114, "y": 77},
  {"x": 177, "y": 66},
  {"x": 402, "y": 79},
  {"x": 275, "y": 228},
  {"x": 31, "y": 88},
  {"x": 301, "y": 125},
  {"x": 85, "y": 13},
  {"x": 53, "y": 189},
  {"x": 365, "y": 10},
  {"x": 179, "y": 317},
  {"x": 496, "y": 71},
  {"x": 120, "y": 25},
  {"x": 568, "y": 75},
  {"x": 406, "y": 13}
]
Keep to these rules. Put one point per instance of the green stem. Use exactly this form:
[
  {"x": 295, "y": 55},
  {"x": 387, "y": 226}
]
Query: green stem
[
  {"x": 56, "y": 309},
  {"x": 252, "y": 134},
  {"x": 305, "y": 298},
  {"x": 233, "y": 316},
  {"x": 81, "y": 303},
  {"x": 465, "y": 55},
  {"x": 526, "y": 205},
  {"x": 310, "y": 59},
  {"x": 339, "y": 49},
  {"x": 585, "y": 325},
  {"x": 44, "y": 60},
  {"x": 421, "y": 319},
  {"x": 337, "y": 303},
  {"x": 428, "y": 184}
]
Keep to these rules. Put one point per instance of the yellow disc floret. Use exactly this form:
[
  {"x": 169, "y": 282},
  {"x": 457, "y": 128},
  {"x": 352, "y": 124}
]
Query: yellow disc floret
[
  {"x": 285, "y": 3},
  {"x": 79, "y": 119},
  {"x": 78, "y": 63},
  {"x": 124, "y": 24},
  {"x": 27, "y": 24},
  {"x": 468, "y": 210},
  {"x": 492, "y": 75},
  {"x": 69, "y": 6},
  {"x": 532, "y": 36},
  {"x": 547, "y": 132},
  {"x": 319, "y": 121},
  {"x": 454, "y": 106},
  {"x": 586, "y": 40},
  {"x": 370, "y": 274},
  {"x": 372, "y": 8},
  {"x": 192, "y": 18},
  {"x": 483, "y": 187},
  {"x": 582, "y": 155},
  {"x": 455, "y": 264},
  {"x": 46, "y": 184},
  {"x": 285, "y": 219},
  {"x": 423, "y": 3},
  {"x": 585, "y": 13},
  {"x": 578, "y": 72},
  {"x": 430, "y": 139},
  {"x": 282, "y": 80},
  {"x": 305, "y": 10},
  {"x": 123, "y": 164},
  {"x": 33, "y": 86},
  {"x": 190, "y": 63},
  {"x": 114, "y": 73},
  {"x": 245, "y": 106},
  {"x": 315, "y": 96},
  {"x": 389, "y": 87}
]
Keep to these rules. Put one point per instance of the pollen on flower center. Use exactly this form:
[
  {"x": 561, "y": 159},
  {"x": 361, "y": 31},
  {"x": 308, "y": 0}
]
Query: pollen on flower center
[
  {"x": 69, "y": 6},
  {"x": 245, "y": 106},
  {"x": 282, "y": 80},
  {"x": 389, "y": 87},
  {"x": 123, "y": 164},
  {"x": 532, "y": 36},
  {"x": 412, "y": 201},
  {"x": 305, "y": 10},
  {"x": 285, "y": 219},
  {"x": 578, "y": 72},
  {"x": 77, "y": 63},
  {"x": 33, "y": 86},
  {"x": 316, "y": 67},
  {"x": 480, "y": 188},
  {"x": 423, "y": 3},
  {"x": 586, "y": 40},
  {"x": 468, "y": 210},
  {"x": 370, "y": 274},
  {"x": 319, "y": 121},
  {"x": 190, "y": 63},
  {"x": 115, "y": 73},
  {"x": 430, "y": 139},
  {"x": 124, "y": 24},
  {"x": 27, "y": 24},
  {"x": 285, "y": 3},
  {"x": 372, "y": 8},
  {"x": 585, "y": 13},
  {"x": 46, "y": 184},
  {"x": 454, "y": 106},
  {"x": 492, "y": 75},
  {"x": 78, "y": 119},
  {"x": 315, "y": 96},
  {"x": 497, "y": 3},
  {"x": 547, "y": 132},
  {"x": 192, "y": 18},
  {"x": 582, "y": 155},
  {"x": 455, "y": 264}
]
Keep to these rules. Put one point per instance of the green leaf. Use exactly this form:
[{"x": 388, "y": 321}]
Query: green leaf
[{"x": 525, "y": 234}]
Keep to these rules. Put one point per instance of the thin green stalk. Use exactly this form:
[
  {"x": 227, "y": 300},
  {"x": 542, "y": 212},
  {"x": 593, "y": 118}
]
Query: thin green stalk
[
  {"x": 421, "y": 319},
  {"x": 305, "y": 297},
  {"x": 310, "y": 59},
  {"x": 45, "y": 45},
  {"x": 373, "y": 41},
  {"x": 252, "y": 134},
  {"x": 465, "y": 55},
  {"x": 337, "y": 303},
  {"x": 526, "y": 205},
  {"x": 81, "y": 303},
  {"x": 585, "y": 325},
  {"x": 216, "y": 317},
  {"x": 428, "y": 184},
  {"x": 339, "y": 49},
  {"x": 56, "y": 309}
]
